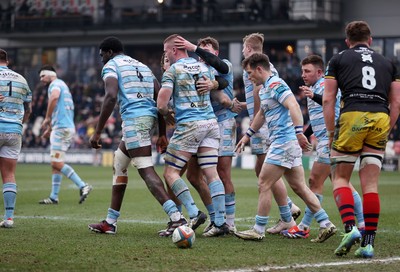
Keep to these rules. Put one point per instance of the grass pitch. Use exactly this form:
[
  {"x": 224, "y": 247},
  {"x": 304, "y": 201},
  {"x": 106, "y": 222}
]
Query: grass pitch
[{"x": 56, "y": 237}]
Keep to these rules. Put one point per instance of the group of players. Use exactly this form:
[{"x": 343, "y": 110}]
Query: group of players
[{"x": 197, "y": 97}]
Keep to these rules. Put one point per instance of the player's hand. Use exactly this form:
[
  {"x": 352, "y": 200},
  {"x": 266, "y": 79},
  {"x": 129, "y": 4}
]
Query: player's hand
[
  {"x": 170, "y": 117},
  {"x": 46, "y": 128},
  {"x": 161, "y": 145},
  {"x": 182, "y": 43},
  {"x": 204, "y": 85},
  {"x": 242, "y": 143},
  {"x": 307, "y": 91},
  {"x": 95, "y": 141},
  {"x": 237, "y": 107},
  {"x": 303, "y": 142},
  {"x": 1, "y": 98}
]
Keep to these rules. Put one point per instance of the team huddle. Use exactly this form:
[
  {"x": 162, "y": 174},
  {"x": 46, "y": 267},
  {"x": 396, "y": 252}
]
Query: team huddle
[{"x": 359, "y": 89}]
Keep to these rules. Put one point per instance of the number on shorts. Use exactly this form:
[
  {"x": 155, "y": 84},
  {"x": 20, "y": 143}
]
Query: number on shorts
[{"x": 368, "y": 80}]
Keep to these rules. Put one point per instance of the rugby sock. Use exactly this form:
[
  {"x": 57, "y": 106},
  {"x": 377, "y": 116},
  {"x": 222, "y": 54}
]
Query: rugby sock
[
  {"x": 261, "y": 222},
  {"x": 289, "y": 202},
  {"x": 322, "y": 218},
  {"x": 230, "y": 207},
  {"x": 182, "y": 193},
  {"x": 9, "y": 196},
  {"x": 70, "y": 173},
  {"x": 112, "y": 216},
  {"x": 285, "y": 213},
  {"x": 358, "y": 210},
  {"x": 372, "y": 207},
  {"x": 55, "y": 186},
  {"x": 308, "y": 214},
  {"x": 211, "y": 212},
  {"x": 345, "y": 203},
  {"x": 179, "y": 207},
  {"x": 170, "y": 207},
  {"x": 217, "y": 192}
]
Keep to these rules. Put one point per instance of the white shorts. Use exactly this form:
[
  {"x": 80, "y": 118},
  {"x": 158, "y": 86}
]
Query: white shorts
[
  {"x": 227, "y": 143},
  {"x": 61, "y": 138},
  {"x": 259, "y": 142},
  {"x": 10, "y": 145},
  {"x": 323, "y": 152},
  {"x": 190, "y": 136},
  {"x": 137, "y": 132},
  {"x": 287, "y": 154}
]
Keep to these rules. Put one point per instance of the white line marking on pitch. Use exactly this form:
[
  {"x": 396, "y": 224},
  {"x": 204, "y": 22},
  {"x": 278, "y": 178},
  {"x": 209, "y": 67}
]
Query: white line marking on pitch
[{"x": 315, "y": 265}]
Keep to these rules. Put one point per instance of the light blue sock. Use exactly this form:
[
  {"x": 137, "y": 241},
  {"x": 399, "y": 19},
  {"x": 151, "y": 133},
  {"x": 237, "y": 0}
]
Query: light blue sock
[
  {"x": 308, "y": 214},
  {"x": 230, "y": 204},
  {"x": 261, "y": 222},
  {"x": 112, "y": 216},
  {"x": 55, "y": 186},
  {"x": 10, "y": 196},
  {"x": 289, "y": 202},
  {"x": 70, "y": 173},
  {"x": 321, "y": 216},
  {"x": 358, "y": 209},
  {"x": 211, "y": 212},
  {"x": 169, "y": 207},
  {"x": 217, "y": 192},
  {"x": 182, "y": 193},
  {"x": 285, "y": 213},
  {"x": 179, "y": 207}
]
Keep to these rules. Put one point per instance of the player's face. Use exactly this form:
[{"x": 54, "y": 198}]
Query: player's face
[
  {"x": 45, "y": 79},
  {"x": 169, "y": 50},
  {"x": 246, "y": 51},
  {"x": 310, "y": 74},
  {"x": 254, "y": 75},
  {"x": 105, "y": 55},
  {"x": 209, "y": 48}
]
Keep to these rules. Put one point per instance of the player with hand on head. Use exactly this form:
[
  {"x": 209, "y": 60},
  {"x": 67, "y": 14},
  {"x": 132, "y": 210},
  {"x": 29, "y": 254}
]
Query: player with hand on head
[
  {"x": 15, "y": 103},
  {"x": 370, "y": 87},
  {"x": 225, "y": 107},
  {"x": 60, "y": 127},
  {"x": 196, "y": 131},
  {"x": 133, "y": 86},
  {"x": 280, "y": 110}
]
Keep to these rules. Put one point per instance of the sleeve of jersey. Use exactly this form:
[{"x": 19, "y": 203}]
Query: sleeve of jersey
[
  {"x": 280, "y": 91},
  {"x": 168, "y": 77},
  {"x": 330, "y": 72},
  {"x": 109, "y": 70}
]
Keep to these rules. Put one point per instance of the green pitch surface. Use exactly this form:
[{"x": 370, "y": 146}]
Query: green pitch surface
[{"x": 56, "y": 237}]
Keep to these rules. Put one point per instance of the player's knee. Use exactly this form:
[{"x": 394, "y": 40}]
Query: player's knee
[
  {"x": 367, "y": 158},
  {"x": 120, "y": 166}
]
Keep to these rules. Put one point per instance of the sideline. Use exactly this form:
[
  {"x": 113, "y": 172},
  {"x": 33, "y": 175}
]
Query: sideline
[{"x": 315, "y": 265}]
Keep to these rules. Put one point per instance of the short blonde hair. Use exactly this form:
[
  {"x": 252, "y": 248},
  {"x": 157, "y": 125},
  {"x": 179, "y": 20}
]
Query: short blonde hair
[{"x": 255, "y": 41}]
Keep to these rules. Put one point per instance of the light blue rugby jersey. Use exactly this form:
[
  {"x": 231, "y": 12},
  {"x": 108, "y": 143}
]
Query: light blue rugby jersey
[
  {"x": 280, "y": 125},
  {"x": 136, "y": 86},
  {"x": 16, "y": 91},
  {"x": 315, "y": 110},
  {"x": 221, "y": 112},
  {"x": 248, "y": 88},
  {"x": 189, "y": 105},
  {"x": 63, "y": 114}
]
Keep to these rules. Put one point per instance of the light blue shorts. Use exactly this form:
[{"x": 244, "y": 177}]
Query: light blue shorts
[
  {"x": 287, "y": 154},
  {"x": 10, "y": 145},
  {"x": 137, "y": 132}
]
